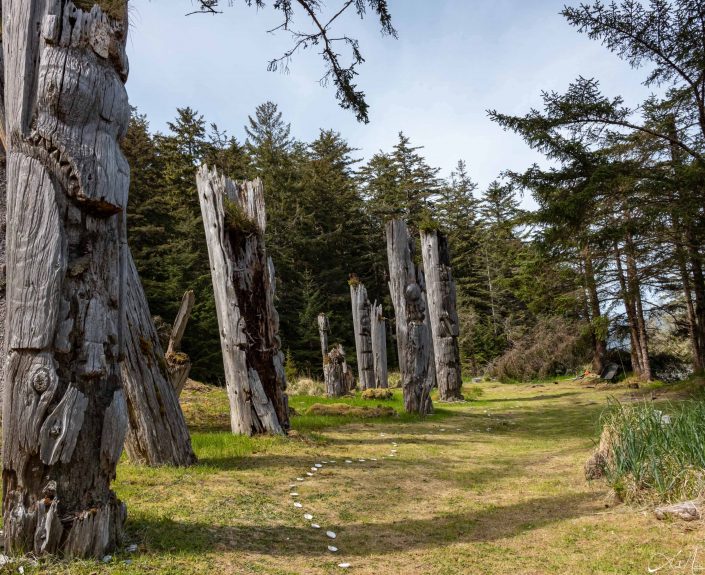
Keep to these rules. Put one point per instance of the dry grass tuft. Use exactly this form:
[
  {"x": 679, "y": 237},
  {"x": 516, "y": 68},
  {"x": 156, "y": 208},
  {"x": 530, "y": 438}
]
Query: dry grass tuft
[{"x": 116, "y": 9}]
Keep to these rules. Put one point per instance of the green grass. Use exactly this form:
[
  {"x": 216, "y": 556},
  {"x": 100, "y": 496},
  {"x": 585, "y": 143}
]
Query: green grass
[{"x": 483, "y": 487}]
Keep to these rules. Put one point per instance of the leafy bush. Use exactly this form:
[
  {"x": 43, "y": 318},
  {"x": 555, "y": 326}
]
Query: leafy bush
[
  {"x": 378, "y": 394},
  {"x": 647, "y": 455},
  {"x": 553, "y": 346}
]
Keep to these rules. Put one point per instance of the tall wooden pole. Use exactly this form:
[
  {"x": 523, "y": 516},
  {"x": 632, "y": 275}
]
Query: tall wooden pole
[
  {"x": 379, "y": 346},
  {"x": 362, "y": 323},
  {"x": 443, "y": 314},
  {"x": 243, "y": 283}
]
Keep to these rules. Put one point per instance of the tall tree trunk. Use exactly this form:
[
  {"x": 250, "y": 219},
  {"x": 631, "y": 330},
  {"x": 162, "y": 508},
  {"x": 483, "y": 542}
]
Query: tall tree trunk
[
  {"x": 335, "y": 370},
  {"x": 65, "y": 414},
  {"x": 635, "y": 345},
  {"x": 362, "y": 324},
  {"x": 158, "y": 434},
  {"x": 693, "y": 328},
  {"x": 178, "y": 363},
  {"x": 414, "y": 347},
  {"x": 696, "y": 265},
  {"x": 443, "y": 314},
  {"x": 634, "y": 286},
  {"x": 379, "y": 346},
  {"x": 598, "y": 338},
  {"x": 243, "y": 282}
]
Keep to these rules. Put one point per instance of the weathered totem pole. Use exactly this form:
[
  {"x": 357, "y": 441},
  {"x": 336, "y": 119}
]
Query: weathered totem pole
[
  {"x": 443, "y": 314},
  {"x": 65, "y": 413},
  {"x": 362, "y": 324},
  {"x": 243, "y": 282},
  {"x": 379, "y": 346},
  {"x": 335, "y": 370},
  {"x": 405, "y": 286}
]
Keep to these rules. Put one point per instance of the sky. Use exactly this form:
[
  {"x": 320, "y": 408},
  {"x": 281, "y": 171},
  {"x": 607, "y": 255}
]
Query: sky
[{"x": 453, "y": 60}]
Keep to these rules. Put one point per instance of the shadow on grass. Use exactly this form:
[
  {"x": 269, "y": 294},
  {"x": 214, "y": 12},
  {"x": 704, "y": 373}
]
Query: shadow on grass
[{"x": 162, "y": 534}]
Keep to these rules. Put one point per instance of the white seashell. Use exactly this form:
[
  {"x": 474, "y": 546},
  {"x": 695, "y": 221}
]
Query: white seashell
[
  {"x": 331, "y": 534},
  {"x": 294, "y": 494},
  {"x": 308, "y": 517},
  {"x": 292, "y": 485},
  {"x": 297, "y": 504},
  {"x": 344, "y": 565},
  {"x": 394, "y": 450},
  {"x": 318, "y": 465},
  {"x": 324, "y": 462},
  {"x": 373, "y": 459},
  {"x": 20, "y": 570},
  {"x": 299, "y": 479},
  {"x": 442, "y": 429},
  {"x": 310, "y": 474},
  {"x": 348, "y": 461},
  {"x": 361, "y": 460},
  {"x": 314, "y": 469},
  {"x": 315, "y": 525},
  {"x": 132, "y": 548},
  {"x": 332, "y": 549},
  {"x": 332, "y": 461}
]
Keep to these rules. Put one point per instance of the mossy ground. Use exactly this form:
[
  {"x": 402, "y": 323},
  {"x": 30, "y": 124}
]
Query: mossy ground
[{"x": 492, "y": 486}]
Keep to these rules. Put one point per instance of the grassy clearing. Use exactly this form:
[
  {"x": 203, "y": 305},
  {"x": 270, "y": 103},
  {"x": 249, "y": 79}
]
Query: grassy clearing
[{"x": 490, "y": 486}]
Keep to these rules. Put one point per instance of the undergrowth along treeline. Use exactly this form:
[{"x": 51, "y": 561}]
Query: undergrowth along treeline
[{"x": 326, "y": 212}]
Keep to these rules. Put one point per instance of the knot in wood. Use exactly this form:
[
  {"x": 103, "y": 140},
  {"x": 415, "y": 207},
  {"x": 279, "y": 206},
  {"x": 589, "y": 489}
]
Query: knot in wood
[
  {"x": 55, "y": 429},
  {"x": 49, "y": 489},
  {"x": 41, "y": 379}
]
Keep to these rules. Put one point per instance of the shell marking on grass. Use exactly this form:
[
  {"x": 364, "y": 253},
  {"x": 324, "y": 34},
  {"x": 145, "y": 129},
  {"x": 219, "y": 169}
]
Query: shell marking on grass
[
  {"x": 331, "y": 534},
  {"x": 332, "y": 549},
  {"x": 298, "y": 505},
  {"x": 308, "y": 517},
  {"x": 315, "y": 525},
  {"x": 318, "y": 465},
  {"x": 344, "y": 565}
]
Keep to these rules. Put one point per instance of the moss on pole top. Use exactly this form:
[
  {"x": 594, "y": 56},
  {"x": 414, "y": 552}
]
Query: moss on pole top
[{"x": 116, "y": 9}]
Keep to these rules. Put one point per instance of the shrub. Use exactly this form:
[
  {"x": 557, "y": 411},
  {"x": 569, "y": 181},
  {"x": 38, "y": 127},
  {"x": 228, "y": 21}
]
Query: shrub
[
  {"x": 647, "y": 455},
  {"x": 394, "y": 380},
  {"x": 473, "y": 393},
  {"x": 553, "y": 346},
  {"x": 378, "y": 394}
]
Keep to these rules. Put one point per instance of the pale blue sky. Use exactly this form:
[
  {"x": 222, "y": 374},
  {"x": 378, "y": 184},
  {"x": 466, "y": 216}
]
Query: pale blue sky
[{"x": 453, "y": 60}]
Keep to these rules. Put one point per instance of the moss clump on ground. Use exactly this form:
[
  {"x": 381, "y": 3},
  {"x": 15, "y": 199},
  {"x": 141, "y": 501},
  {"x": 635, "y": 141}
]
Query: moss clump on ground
[
  {"x": 345, "y": 409},
  {"x": 378, "y": 394}
]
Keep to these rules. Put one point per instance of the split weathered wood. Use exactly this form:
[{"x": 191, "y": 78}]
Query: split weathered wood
[
  {"x": 3, "y": 275},
  {"x": 417, "y": 382},
  {"x": 178, "y": 362},
  {"x": 243, "y": 282},
  {"x": 685, "y": 511},
  {"x": 362, "y": 324},
  {"x": 158, "y": 434},
  {"x": 336, "y": 374},
  {"x": 65, "y": 413},
  {"x": 403, "y": 277},
  {"x": 443, "y": 314},
  {"x": 379, "y": 346}
]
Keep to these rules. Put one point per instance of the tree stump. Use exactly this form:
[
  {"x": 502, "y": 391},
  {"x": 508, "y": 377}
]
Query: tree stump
[
  {"x": 443, "y": 314},
  {"x": 243, "y": 282},
  {"x": 362, "y": 324},
  {"x": 65, "y": 413},
  {"x": 178, "y": 363},
  {"x": 379, "y": 346},
  {"x": 336, "y": 374},
  {"x": 412, "y": 352},
  {"x": 158, "y": 434}
]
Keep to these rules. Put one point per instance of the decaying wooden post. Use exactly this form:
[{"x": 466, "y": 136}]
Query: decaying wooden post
[
  {"x": 379, "y": 346},
  {"x": 3, "y": 275},
  {"x": 243, "y": 282},
  {"x": 179, "y": 363},
  {"x": 402, "y": 276},
  {"x": 362, "y": 324},
  {"x": 157, "y": 433},
  {"x": 335, "y": 370},
  {"x": 417, "y": 383},
  {"x": 65, "y": 413},
  {"x": 443, "y": 314}
]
